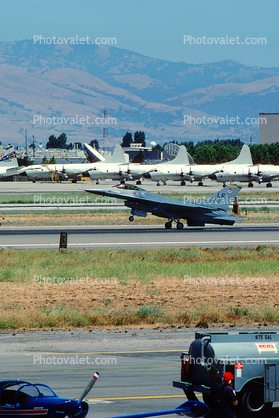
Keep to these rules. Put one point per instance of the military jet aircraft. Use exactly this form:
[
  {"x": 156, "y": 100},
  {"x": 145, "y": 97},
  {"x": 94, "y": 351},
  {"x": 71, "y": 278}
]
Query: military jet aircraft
[{"x": 212, "y": 210}]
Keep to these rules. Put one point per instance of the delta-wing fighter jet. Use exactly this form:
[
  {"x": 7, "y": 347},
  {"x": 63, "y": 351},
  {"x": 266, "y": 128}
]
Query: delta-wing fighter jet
[{"x": 212, "y": 210}]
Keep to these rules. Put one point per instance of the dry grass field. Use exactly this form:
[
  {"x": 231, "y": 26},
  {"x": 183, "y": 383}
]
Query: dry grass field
[{"x": 146, "y": 288}]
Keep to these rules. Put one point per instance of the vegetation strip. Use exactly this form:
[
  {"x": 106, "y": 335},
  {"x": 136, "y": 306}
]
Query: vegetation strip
[{"x": 103, "y": 288}]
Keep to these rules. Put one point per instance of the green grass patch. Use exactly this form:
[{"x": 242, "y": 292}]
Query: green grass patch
[{"x": 38, "y": 266}]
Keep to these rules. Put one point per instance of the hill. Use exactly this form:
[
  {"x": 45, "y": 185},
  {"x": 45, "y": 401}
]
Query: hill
[{"x": 49, "y": 89}]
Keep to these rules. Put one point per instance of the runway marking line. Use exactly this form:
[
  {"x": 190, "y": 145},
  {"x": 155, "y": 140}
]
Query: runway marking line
[
  {"x": 91, "y": 353},
  {"x": 114, "y": 244},
  {"x": 124, "y": 398}
]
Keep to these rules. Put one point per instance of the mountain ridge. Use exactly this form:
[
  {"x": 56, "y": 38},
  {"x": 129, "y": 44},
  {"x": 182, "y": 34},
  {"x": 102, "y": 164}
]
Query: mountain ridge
[{"x": 141, "y": 93}]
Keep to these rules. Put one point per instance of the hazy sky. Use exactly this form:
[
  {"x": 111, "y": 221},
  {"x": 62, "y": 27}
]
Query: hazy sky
[{"x": 156, "y": 28}]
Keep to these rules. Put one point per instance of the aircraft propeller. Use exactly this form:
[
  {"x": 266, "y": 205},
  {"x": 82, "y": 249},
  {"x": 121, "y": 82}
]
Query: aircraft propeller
[{"x": 90, "y": 385}]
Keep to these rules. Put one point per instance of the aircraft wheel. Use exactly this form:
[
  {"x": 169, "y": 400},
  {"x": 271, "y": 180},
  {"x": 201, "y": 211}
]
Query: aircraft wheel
[
  {"x": 131, "y": 218},
  {"x": 250, "y": 185},
  {"x": 268, "y": 185},
  {"x": 183, "y": 183},
  {"x": 122, "y": 181},
  {"x": 138, "y": 182},
  {"x": 158, "y": 184},
  {"x": 179, "y": 225},
  {"x": 97, "y": 182},
  {"x": 200, "y": 183},
  {"x": 168, "y": 225}
]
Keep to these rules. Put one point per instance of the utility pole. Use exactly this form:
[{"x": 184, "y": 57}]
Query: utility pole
[
  {"x": 33, "y": 146},
  {"x": 26, "y": 147}
]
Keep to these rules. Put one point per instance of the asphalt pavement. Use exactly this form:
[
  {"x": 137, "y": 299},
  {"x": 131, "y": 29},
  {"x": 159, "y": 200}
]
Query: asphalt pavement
[
  {"x": 136, "y": 367},
  {"x": 134, "y": 236}
]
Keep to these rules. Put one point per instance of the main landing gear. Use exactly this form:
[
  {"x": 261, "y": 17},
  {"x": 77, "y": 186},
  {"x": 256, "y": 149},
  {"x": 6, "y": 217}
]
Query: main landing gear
[{"x": 179, "y": 225}]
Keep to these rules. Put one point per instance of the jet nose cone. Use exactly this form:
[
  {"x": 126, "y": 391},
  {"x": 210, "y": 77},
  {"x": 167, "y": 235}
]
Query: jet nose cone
[
  {"x": 147, "y": 176},
  {"x": 212, "y": 176}
]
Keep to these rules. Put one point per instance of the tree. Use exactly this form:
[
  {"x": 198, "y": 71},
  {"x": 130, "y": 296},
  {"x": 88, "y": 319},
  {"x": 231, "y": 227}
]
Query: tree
[
  {"x": 127, "y": 140},
  {"x": 24, "y": 161},
  {"x": 59, "y": 142},
  {"x": 139, "y": 138},
  {"x": 52, "y": 160},
  {"x": 45, "y": 160},
  {"x": 94, "y": 144},
  {"x": 157, "y": 147}
]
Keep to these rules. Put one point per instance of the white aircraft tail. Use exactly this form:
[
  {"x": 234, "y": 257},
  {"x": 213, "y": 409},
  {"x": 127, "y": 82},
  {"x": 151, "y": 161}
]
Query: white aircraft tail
[
  {"x": 9, "y": 157},
  {"x": 118, "y": 156},
  {"x": 191, "y": 159},
  {"x": 244, "y": 157},
  {"x": 92, "y": 154},
  {"x": 181, "y": 158}
]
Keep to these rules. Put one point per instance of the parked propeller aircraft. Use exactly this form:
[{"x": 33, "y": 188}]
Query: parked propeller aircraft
[
  {"x": 135, "y": 171},
  {"x": 114, "y": 168},
  {"x": 8, "y": 162},
  {"x": 258, "y": 173},
  {"x": 195, "y": 172},
  {"x": 175, "y": 169},
  {"x": 212, "y": 210},
  {"x": 64, "y": 171}
]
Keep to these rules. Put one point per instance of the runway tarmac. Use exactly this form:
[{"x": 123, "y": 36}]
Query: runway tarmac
[
  {"x": 134, "y": 237},
  {"x": 136, "y": 367},
  {"x": 151, "y": 186}
]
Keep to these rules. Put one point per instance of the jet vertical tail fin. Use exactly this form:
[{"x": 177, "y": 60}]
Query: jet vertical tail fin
[
  {"x": 224, "y": 197},
  {"x": 181, "y": 158},
  {"x": 9, "y": 157},
  {"x": 118, "y": 156},
  {"x": 244, "y": 157}
]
